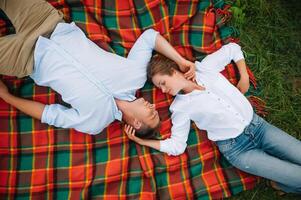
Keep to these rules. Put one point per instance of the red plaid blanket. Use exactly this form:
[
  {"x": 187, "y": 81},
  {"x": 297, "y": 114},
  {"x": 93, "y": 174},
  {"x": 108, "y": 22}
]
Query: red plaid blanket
[{"x": 43, "y": 162}]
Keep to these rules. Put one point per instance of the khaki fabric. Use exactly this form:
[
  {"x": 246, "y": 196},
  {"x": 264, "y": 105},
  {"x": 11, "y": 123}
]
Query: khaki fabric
[{"x": 31, "y": 19}]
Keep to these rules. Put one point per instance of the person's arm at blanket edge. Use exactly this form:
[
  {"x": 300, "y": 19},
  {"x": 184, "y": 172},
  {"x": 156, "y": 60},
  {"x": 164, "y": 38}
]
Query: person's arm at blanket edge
[
  {"x": 29, "y": 107},
  {"x": 39, "y": 111}
]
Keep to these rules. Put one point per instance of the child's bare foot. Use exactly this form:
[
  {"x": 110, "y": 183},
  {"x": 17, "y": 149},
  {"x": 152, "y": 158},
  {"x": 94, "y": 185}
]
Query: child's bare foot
[{"x": 3, "y": 89}]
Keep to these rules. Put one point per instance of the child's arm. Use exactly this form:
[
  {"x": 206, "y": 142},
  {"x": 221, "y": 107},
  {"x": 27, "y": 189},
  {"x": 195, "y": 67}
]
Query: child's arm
[
  {"x": 176, "y": 144},
  {"x": 130, "y": 131},
  {"x": 244, "y": 83},
  {"x": 218, "y": 60}
]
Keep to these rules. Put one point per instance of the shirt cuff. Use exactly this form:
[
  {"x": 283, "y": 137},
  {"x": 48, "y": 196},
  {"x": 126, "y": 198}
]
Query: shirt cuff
[
  {"x": 164, "y": 146},
  {"x": 44, "y": 118}
]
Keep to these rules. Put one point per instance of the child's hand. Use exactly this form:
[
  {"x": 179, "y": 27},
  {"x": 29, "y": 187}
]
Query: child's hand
[
  {"x": 188, "y": 68},
  {"x": 243, "y": 84},
  {"x": 130, "y": 132}
]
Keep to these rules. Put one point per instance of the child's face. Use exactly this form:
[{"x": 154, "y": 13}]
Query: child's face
[{"x": 168, "y": 84}]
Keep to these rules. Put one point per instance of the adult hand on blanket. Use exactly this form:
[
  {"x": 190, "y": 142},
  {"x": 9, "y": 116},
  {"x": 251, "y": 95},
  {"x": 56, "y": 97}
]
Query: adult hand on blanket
[
  {"x": 243, "y": 84},
  {"x": 130, "y": 132},
  {"x": 188, "y": 68}
]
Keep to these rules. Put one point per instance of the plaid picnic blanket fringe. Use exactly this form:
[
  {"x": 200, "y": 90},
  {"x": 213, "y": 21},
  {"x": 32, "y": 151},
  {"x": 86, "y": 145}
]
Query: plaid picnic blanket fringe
[{"x": 43, "y": 162}]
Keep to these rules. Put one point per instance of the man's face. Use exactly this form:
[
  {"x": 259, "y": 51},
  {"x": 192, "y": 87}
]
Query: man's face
[{"x": 145, "y": 112}]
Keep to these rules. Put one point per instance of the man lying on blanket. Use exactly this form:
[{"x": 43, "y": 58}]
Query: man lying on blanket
[{"x": 99, "y": 86}]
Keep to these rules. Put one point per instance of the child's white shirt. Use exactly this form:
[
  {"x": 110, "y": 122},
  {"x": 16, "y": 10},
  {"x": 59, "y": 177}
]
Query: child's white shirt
[{"x": 221, "y": 109}]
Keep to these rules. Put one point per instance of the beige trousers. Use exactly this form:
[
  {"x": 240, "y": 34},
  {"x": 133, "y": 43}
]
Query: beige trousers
[{"x": 31, "y": 19}]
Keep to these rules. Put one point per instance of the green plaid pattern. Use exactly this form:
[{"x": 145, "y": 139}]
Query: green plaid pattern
[{"x": 42, "y": 162}]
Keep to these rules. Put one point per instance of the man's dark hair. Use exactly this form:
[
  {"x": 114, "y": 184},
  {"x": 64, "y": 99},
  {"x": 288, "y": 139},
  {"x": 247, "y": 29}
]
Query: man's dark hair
[{"x": 145, "y": 132}]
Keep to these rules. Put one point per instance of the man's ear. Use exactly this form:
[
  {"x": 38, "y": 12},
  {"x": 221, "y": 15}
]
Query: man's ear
[
  {"x": 174, "y": 72},
  {"x": 137, "y": 124}
]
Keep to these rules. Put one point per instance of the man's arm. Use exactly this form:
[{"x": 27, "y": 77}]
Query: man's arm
[
  {"x": 29, "y": 107},
  {"x": 54, "y": 114},
  {"x": 151, "y": 40}
]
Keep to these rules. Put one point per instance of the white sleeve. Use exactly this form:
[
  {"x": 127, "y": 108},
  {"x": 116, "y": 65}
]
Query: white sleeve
[
  {"x": 218, "y": 60},
  {"x": 176, "y": 144},
  {"x": 143, "y": 47},
  {"x": 61, "y": 116}
]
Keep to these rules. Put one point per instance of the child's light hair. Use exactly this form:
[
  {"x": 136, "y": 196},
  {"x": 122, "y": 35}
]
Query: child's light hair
[{"x": 160, "y": 64}]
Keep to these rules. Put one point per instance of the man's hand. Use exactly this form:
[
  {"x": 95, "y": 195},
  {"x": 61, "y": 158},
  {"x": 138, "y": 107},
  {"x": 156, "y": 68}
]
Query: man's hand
[
  {"x": 243, "y": 84},
  {"x": 188, "y": 68},
  {"x": 3, "y": 89},
  {"x": 130, "y": 132}
]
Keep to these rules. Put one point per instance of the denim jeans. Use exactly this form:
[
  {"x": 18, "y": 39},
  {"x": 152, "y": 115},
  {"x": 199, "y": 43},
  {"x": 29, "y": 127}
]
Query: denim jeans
[{"x": 264, "y": 150}]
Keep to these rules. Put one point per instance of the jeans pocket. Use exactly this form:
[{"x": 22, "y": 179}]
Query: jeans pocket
[
  {"x": 257, "y": 120},
  {"x": 254, "y": 125},
  {"x": 226, "y": 145}
]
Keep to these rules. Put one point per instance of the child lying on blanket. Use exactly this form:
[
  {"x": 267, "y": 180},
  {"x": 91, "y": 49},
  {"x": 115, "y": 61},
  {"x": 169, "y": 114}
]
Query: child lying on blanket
[{"x": 214, "y": 104}]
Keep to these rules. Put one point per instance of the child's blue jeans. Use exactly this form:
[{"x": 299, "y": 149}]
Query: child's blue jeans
[{"x": 265, "y": 150}]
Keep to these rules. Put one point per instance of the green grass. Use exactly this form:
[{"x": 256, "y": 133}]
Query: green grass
[{"x": 270, "y": 34}]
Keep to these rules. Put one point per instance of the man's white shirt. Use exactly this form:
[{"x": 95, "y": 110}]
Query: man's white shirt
[{"x": 88, "y": 77}]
